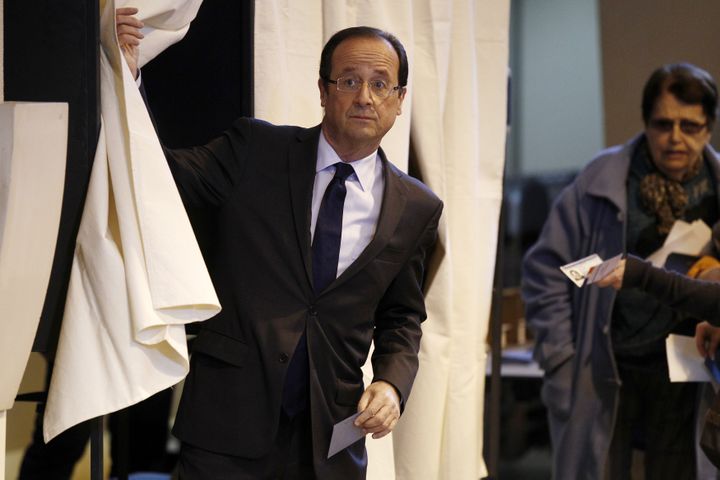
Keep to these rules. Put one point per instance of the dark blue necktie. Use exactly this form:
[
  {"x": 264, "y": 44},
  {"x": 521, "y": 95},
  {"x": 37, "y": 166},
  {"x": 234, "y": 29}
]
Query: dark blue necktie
[
  {"x": 325, "y": 255},
  {"x": 328, "y": 229}
]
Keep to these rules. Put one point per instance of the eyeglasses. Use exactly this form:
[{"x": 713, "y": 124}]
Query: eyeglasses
[
  {"x": 352, "y": 84},
  {"x": 665, "y": 125}
]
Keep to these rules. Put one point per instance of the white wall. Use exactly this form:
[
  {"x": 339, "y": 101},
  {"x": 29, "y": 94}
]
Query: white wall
[{"x": 557, "y": 116}]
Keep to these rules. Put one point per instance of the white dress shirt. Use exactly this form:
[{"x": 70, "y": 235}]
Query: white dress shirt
[{"x": 362, "y": 202}]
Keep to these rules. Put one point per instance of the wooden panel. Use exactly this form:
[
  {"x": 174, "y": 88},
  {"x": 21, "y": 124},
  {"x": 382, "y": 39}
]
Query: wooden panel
[{"x": 641, "y": 35}]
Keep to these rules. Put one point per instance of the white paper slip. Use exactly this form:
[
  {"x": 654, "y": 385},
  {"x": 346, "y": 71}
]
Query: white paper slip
[
  {"x": 577, "y": 271},
  {"x": 687, "y": 238},
  {"x": 604, "y": 269},
  {"x": 345, "y": 433},
  {"x": 684, "y": 361}
]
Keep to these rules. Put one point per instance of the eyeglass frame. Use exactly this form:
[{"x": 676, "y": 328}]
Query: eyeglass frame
[
  {"x": 390, "y": 91},
  {"x": 688, "y": 127}
]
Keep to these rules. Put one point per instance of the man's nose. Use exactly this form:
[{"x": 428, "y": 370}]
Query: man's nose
[{"x": 364, "y": 95}]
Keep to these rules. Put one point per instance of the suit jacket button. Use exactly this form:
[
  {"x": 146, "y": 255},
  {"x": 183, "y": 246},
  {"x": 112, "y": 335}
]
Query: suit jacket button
[{"x": 283, "y": 358}]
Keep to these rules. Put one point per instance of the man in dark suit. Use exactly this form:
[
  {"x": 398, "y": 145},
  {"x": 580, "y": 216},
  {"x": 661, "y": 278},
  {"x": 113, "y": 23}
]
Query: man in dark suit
[{"x": 320, "y": 249}]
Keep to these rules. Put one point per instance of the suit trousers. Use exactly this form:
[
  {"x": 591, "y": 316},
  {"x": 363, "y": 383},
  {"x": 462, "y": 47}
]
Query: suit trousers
[{"x": 291, "y": 457}]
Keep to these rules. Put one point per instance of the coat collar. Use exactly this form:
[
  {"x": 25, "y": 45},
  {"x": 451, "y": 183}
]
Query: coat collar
[
  {"x": 610, "y": 182},
  {"x": 302, "y": 157}
]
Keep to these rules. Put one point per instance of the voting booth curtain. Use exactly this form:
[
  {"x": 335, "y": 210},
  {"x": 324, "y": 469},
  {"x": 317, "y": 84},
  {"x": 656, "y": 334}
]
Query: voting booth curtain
[
  {"x": 452, "y": 134},
  {"x": 122, "y": 337}
]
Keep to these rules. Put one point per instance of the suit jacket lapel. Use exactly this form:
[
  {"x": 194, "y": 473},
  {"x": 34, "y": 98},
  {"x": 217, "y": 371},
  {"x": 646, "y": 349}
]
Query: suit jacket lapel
[
  {"x": 302, "y": 161},
  {"x": 394, "y": 199}
]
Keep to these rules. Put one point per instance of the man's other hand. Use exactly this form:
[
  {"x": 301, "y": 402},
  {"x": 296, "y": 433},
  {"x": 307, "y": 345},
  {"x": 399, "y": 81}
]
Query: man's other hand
[
  {"x": 129, "y": 36},
  {"x": 379, "y": 409}
]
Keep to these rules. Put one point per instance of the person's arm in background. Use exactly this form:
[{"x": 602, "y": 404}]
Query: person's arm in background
[
  {"x": 697, "y": 297},
  {"x": 547, "y": 296}
]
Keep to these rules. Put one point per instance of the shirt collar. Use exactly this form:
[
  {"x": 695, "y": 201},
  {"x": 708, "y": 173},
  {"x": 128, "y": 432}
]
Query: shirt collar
[{"x": 364, "y": 168}]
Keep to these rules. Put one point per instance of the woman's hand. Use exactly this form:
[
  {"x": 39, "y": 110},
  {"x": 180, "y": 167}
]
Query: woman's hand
[{"x": 613, "y": 279}]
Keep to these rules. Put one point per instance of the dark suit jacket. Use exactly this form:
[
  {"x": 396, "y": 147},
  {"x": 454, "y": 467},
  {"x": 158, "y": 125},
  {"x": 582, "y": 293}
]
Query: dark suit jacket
[{"x": 257, "y": 179}]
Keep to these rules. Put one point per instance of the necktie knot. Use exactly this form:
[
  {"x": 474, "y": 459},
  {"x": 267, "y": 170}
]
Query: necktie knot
[{"x": 343, "y": 171}]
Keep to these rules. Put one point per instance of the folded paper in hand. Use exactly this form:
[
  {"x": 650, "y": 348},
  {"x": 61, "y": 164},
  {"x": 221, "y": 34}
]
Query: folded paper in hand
[
  {"x": 577, "y": 271},
  {"x": 345, "y": 433}
]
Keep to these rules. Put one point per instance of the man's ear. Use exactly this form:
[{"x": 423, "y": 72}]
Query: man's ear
[
  {"x": 323, "y": 91},
  {"x": 401, "y": 97}
]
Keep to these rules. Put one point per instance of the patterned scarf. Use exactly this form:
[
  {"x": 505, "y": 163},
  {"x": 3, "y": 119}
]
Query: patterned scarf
[{"x": 663, "y": 197}]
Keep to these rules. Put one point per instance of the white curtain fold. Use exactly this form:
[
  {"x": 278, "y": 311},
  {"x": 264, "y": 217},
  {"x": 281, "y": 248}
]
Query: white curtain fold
[
  {"x": 460, "y": 142},
  {"x": 123, "y": 337},
  {"x": 454, "y": 116},
  {"x": 166, "y": 22}
]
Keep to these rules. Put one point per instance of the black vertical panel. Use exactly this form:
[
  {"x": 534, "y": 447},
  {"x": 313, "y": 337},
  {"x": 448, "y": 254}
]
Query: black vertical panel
[
  {"x": 197, "y": 87},
  {"x": 51, "y": 55}
]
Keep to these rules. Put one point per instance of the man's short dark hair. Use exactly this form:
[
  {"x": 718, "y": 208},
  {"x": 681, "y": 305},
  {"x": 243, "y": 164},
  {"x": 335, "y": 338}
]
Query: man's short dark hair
[
  {"x": 362, "y": 32},
  {"x": 688, "y": 83}
]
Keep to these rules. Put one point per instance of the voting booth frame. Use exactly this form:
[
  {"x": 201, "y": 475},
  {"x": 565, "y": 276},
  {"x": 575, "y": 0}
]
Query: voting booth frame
[
  {"x": 44, "y": 61},
  {"x": 47, "y": 63}
]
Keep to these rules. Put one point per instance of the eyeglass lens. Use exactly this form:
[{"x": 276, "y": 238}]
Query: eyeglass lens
[
  {"x": 686, "y": 126},
  {"x": 379, "y": 87}
]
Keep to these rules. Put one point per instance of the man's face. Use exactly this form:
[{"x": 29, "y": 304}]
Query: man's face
[
  {"x": 675, "y": 145},
  {"x": 355, "y": 122}
]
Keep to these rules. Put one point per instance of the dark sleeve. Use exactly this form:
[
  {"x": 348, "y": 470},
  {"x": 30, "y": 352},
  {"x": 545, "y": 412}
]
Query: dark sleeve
[
  {"x": 205, "y": 175},
  {"x": 399, "y": 315},
  {"x": 545, "y": 289},
  {"x": 688, "y": 295}
]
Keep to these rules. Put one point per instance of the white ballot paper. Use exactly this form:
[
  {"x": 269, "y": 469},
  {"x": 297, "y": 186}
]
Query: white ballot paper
[
  {"x": 686, "y": 238},
  {"x": 578, "y": 270},
  {"x": 684, "y": 361},
  {"x": 345, "y": 433},
  {"x": 604, "y": 269}
]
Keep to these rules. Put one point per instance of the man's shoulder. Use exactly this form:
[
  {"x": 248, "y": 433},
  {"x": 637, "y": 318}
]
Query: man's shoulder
[
  {"x": 264, "y": 130},
  {"x": 416, "y": 188}
]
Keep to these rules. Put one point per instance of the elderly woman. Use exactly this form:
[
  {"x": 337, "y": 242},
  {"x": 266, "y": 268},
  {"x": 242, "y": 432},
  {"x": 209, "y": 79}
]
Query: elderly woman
[
  {"x": 699, "y": 297},
  {"x": 605, "y": 381}
]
